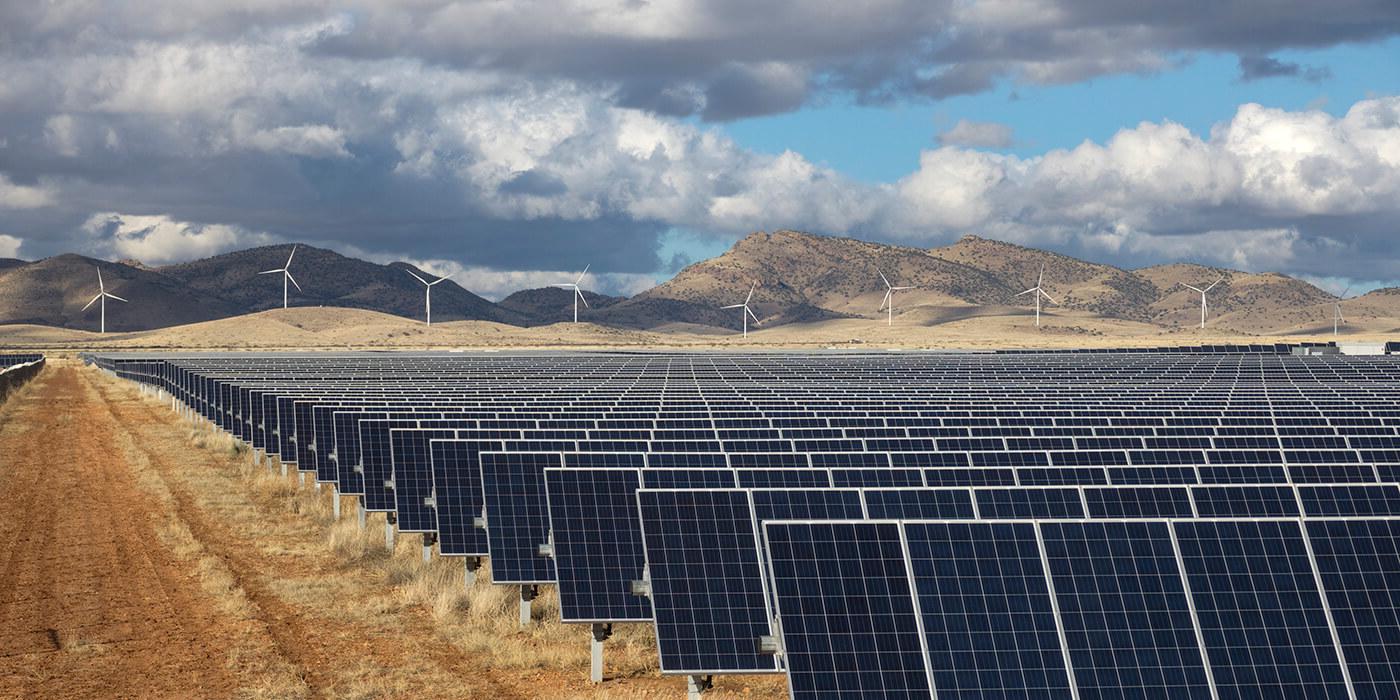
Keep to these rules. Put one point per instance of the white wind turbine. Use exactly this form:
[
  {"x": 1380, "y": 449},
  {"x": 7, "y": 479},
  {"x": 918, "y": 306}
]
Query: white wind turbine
[
  {"x": 747, "y": 311},
  {"x": 1039, "y": 292},
  {"x": 429, "y": 286},
  {"x": 1202, "y": 292},
  {"x": 578, "y": 291},
  {"x": 286, "y": 276},
  {"x": 1337, "y": 318},
  {"x": 889, "y": 297},
  {"x": 102, "y": 296}
]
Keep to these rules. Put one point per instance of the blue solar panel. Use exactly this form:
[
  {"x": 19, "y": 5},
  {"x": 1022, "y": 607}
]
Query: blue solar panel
[
  {"x": 1350, "y": 501},
  {"x": 783, "y": 478},
  {"x": 1245, "y": 501},
  {"x": 1023, "y": 503},
  {"x": 848, "y": 622},
  {"x": 457, "y": 484},
  {"x": 413, "y": 478},
  {"x": 517, "y": 515},
  {"x": 987, "y": 612},
  {"x": 1139, "y": 502},
  {"x": 1359, "y": 563},
  {"x": 1260, "y": 611},
  {"x": 597, "y": 543},
  {"x": 1126, "y": 618},
  {"x": 707, "y": 590},
  {"x": 918, "y": 504}
]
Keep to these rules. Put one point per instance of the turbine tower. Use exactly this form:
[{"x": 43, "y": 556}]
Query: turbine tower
[
  {"x": 888, "y": 302},
  {"x": 286, "y": 276},
  {"x": 578, "y": 291},
  {"x": 747, "y": 311},
  {"x": 1337, "y": 318},
  {"x": 1202, "y": 292},
  {"x": 429, "y": 286},
  {"x": 102, "y": 296},
  {"x": 1039, "y": 292}
]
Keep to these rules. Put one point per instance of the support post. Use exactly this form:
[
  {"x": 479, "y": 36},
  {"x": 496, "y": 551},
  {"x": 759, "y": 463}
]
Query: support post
[
  {"x": 360, "y": 508},
  {"x": 335, "y": 502},
  {"x": 601, "y": 631},
  {"x": 284, "y": 469},
  {"x": 527, "y": 594},
  {"x": 301, "y": 478},
  {"x": 695, "y": 685},
  {"x": 473, "y": 563},
  {"x": 428, "y": 540},
  {"x": 389, "y": 531}
]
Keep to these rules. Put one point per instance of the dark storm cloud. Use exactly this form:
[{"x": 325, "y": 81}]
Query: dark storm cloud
[{"x": 1261, "y": 67}]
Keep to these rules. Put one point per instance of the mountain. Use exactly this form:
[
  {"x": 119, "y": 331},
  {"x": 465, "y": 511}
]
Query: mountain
[
  {"x": 328, "y": 278},
  {"x": 53, "y": 292},
  {"x": 803, "y": 278},
  {"x": 555, "y": 305},
  {"x": 796, "y": 278}
]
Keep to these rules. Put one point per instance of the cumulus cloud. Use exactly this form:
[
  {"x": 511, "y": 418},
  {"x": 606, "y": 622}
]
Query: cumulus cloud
[
  {"x": 542, "y": 136},
  {"x": 1260, "y": 67},
  {"x": 9, "y": 246},
  {"x": 977, "y": 135},
  {"x": 158, "y": 240},
  {"x": 498, "y": 284},
  {"x": 14, "y": 196}
]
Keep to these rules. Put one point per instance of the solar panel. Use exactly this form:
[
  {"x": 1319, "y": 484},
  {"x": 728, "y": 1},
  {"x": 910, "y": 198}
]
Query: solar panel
[
  {"x": 1350, "y": 500},
  {"x": 1139, "y": 502},
  {"x": 517, "y": 515},
  {"x": 849, "y": 626},
  {"x": 1024, "y": 503},
  {"x": 1261, "y": 615},
  {"x": 1127, "y": 621},
  {"x": 597, "y": 544},
  {"x": 987, "y": 612},
  {"x": 1359, "y": 564},
  {"x": 918, "y": 504},
  {"x": 457, "y": 485},
  {"x": 707, "y": 591}
]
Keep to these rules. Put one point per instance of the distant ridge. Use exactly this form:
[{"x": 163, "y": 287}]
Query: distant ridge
[{"x": 801, "y": 278}]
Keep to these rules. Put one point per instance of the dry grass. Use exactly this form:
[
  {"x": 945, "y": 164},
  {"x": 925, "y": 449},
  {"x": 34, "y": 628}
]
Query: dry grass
[{"x": 372, "y": 588}]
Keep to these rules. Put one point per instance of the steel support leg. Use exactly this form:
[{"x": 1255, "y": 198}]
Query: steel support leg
[
  {"x": 601, "y": 632},
  {"x": 695, "y": 685},
  {"x": 335, "y": 502},
  {"x": 473, "y": 563},
  {"x": 527, "y": 594}
]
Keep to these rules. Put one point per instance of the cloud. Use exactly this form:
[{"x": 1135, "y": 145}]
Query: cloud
[
  {"x": 313, "y": 141},
  {"x": 9, "y": 246},
  {"x": 977, "y": 135},
  {"x": 14, "y": 196},
  {"x": 158, "y": 240},
  {"x": 1260, "y": 67}
]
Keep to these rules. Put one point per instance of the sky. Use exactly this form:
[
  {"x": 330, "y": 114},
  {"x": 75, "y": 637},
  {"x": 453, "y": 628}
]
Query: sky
[{"x": 512, "y": 144}]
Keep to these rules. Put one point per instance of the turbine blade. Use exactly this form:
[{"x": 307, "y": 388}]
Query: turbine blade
[
  {"x": 886, "y": 300},
  {"x": 99, "y": 279},
  {"x": 584, "y": 273},
  {"x": 293, "y": 280},
  {"x": 900, "y": 289},
  {"x": 440, "y": 279},
  {"x": 1212, "y": 284},
  {"x": 581, "y": 297},
  {"x": 749, "y": 311},
  {"x": 1028, "y": 291},
  {"x": 731, "y": 306},
  {"x": 565, "y": 286},
  {"x": 94, "y": 301},
  {"x": 113, "y": 296},
  {"x": 1047, "y": 296},
  {"x": 289, "y": 257},
  {"x": 268, "y": 272},
  {"x": 420, "y": 279},
  {"x": 749, "y": 298},
  {"x": 1041, "y": 280},
  {"x": 883, "y": 277},
  {"x": 1199, "y": 291}
]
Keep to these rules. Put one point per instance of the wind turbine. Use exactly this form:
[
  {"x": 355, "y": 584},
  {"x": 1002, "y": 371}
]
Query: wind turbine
[
  {"x": 1039, "y": 292},
  {"x": 1337, "y": 318},
  {"x": 747, "y": 311},
  {"x": 429, "y": 286},
  {"x": 286, "y": 276},
  {"x": 1202, "y": 292},
  {"x": 102, "y": 296},
  {"x": 889, "y": 297},
  {"x": 578, "y": 292}
]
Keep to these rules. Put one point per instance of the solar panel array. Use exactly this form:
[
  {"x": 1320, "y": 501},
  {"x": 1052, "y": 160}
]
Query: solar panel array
[
  {"x": 16, "y": 369},
  {"x": 1212, "y": 522}
]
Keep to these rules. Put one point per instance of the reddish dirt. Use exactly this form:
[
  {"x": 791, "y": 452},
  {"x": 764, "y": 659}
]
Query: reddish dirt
[{"x": 90, "y": 604}]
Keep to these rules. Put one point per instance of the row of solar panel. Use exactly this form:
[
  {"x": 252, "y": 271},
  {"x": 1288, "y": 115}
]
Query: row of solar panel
[{"x": 1151, "y": 609}]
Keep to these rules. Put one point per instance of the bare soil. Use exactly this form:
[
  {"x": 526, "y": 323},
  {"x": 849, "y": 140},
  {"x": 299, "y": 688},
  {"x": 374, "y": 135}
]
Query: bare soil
[{"x": 142, "y": 558}]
